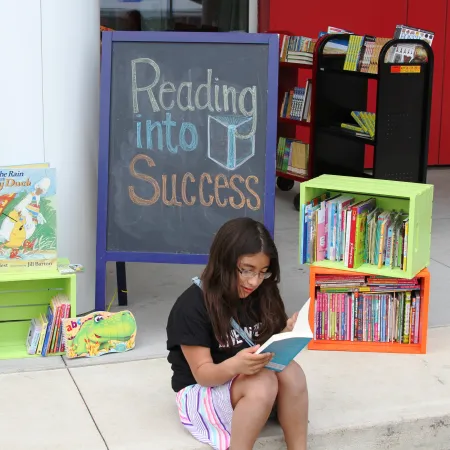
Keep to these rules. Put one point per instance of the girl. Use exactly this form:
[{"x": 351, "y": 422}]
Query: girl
[{"x": 224, "y": 393}]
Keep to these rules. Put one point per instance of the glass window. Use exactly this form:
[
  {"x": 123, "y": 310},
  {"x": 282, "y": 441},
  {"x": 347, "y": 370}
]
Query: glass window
[{"x": 171, "y": 15}]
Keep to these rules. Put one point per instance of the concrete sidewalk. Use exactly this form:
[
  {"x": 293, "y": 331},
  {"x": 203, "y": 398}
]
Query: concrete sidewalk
[{"x": 358, "y": 401}]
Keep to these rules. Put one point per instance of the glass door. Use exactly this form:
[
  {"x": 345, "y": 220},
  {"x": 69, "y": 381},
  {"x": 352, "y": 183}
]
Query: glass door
[{"x": 179, "y": 15}]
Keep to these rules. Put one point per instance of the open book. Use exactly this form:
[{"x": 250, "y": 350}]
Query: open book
[{"x": 286, "y": 346}]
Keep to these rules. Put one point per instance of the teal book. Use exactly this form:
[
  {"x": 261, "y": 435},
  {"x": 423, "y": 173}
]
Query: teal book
[{"x": 286, "y": 346}]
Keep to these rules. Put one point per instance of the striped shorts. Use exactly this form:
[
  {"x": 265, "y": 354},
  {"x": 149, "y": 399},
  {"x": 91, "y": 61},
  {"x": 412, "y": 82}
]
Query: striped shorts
[{"x": 206, "y": 413}]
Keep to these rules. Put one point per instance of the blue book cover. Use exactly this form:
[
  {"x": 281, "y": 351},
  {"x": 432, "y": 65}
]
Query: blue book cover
[
  {"x": 47, "y": 332},
  {"x": 286, "y": 346}
]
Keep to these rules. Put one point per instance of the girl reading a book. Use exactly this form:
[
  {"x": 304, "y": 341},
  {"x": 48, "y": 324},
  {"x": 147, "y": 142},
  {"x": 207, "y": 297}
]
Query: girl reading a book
[{"x": 224, "y": 393}]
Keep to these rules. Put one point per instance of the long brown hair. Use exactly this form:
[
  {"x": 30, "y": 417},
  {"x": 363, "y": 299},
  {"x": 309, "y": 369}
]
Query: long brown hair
[{"x": 236, "y": 238}]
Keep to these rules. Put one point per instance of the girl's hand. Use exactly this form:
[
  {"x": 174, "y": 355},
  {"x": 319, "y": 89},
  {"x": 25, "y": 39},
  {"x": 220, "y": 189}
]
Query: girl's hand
[
  {"x": 290, "y": 324},
  {"x": 246, "y": 362}
]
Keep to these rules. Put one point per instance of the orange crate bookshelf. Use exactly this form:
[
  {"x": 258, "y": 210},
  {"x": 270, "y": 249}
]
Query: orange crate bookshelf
[{"x": 379, "y": 347}]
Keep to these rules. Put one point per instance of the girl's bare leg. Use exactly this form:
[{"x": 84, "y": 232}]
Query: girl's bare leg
[
  {"x": 252, "y": 398},
  {"x": 292, "y": 405}
]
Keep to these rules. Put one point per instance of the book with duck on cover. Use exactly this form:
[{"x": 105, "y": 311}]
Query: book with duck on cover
[{"x": 27, "y": 217}]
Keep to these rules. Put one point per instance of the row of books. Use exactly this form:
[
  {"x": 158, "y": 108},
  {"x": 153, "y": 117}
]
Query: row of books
[
  {"x": 300, "y": 49},
  {"x": 297, "y": 49},
  {"x": 356, "y": 232},
  {"x": 45, "y": 335},
  {"x": 296, "y": 103},
  {"x": 364, "y": 125},
  {"x": 363, "y": 51},
  {"x": 292, "y": 156},
  {"x": 389, "y": 311}
]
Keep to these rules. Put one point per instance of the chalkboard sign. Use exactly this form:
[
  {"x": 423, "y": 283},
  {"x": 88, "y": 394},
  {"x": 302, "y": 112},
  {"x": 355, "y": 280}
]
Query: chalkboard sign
[{"x": 188, "y": 141}]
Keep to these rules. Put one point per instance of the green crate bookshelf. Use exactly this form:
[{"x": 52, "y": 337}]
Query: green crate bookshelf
[
  {"x": 24, "y": 295},
  {"x": 414, "y": 198}
]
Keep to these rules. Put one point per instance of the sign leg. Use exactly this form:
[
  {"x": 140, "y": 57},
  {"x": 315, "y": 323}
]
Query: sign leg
[{"x": 121, "y": 273}]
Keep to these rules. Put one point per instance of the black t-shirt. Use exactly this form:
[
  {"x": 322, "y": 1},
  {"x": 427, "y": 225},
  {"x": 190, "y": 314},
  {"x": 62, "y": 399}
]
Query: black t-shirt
[{"x": 189, "y": 324}]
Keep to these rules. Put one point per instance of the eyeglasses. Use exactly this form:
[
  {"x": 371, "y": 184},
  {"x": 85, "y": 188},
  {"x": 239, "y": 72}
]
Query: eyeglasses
[{"x": 251, "y": 274}]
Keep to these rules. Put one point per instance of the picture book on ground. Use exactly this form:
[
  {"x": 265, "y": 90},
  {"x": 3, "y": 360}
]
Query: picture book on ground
[
  {"x": 99, "y": 333},
  {"x": 286, "y": 346},
  {"x": 27, "y": 217},
  {"x": 367, "y": 309}
]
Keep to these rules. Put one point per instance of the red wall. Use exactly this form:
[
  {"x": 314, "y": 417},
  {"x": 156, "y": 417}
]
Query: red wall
[
  {"x": 309, "y": 18},
  {"x": 444, "y": 153}
]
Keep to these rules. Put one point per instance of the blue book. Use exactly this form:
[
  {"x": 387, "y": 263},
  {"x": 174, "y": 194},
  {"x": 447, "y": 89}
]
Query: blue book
[{"x": 286, "y": 346}]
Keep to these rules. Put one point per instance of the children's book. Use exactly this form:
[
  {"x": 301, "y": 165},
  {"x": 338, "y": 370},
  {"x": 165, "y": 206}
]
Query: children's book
[
  {"x": 27, "y": 217},
  {"x": 44, "y": 324},
  {"x": 99, "y": 333},
  {"x": 286, "y": 346},
  {"x": 58, "y": 309},
  {"x": 70, "y": 268},
  {"x": 34, "y": 334}
]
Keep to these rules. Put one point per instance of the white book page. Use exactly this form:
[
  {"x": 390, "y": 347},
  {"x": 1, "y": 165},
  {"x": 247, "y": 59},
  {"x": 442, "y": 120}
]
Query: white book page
[{"x": 301, "y": 329}]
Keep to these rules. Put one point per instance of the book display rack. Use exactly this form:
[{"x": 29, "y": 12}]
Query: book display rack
[
  {"x": 339, "y": 126},
  {"x": 367, "y": 242},
  {"x": 365, "y": 313},
  {"x": 294, "y": 106},
  {"x": 400, "y": 126},
  {"x": 24, "y": 296}
]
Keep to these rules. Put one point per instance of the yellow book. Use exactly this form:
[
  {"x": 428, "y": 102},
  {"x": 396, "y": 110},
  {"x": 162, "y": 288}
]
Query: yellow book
[
  {"x": 405, "y": 246},
  {"x": 371, "y": 119},
  {"x": 348, "y": 55},
  {"x": 289, "y": 108},
  {"x": 29, "y": 166},
  {"x": 355, "y": 115},
  {"x": 349, "y": 126},
  {"x": 299, "y": 156},
  {"x": 366, "y": 117},
  {"x": 356, "y": 53},
  {"x": 44, "y": 324}
]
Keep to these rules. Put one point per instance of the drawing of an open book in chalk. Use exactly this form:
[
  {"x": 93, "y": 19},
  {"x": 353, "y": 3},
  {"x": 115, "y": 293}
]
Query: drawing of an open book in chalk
[{"x": 231, "y": 140}]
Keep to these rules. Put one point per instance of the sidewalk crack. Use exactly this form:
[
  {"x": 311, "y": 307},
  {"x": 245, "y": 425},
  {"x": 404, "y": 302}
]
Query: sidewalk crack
[{"x": 85, "y": 404}]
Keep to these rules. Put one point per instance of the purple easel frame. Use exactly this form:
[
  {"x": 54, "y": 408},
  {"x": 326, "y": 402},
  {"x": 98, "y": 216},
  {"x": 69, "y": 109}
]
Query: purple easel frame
[{"x": 103, "y": 256}]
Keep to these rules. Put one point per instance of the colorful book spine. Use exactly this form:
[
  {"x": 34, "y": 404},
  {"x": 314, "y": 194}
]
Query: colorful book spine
[{"x": 383, "y": 318}]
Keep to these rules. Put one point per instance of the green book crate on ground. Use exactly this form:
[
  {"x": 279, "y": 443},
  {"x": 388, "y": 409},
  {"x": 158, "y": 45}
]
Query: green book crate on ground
[
  {"x": 415, "y": 199},
  {"x": 24, "y": 295}
]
